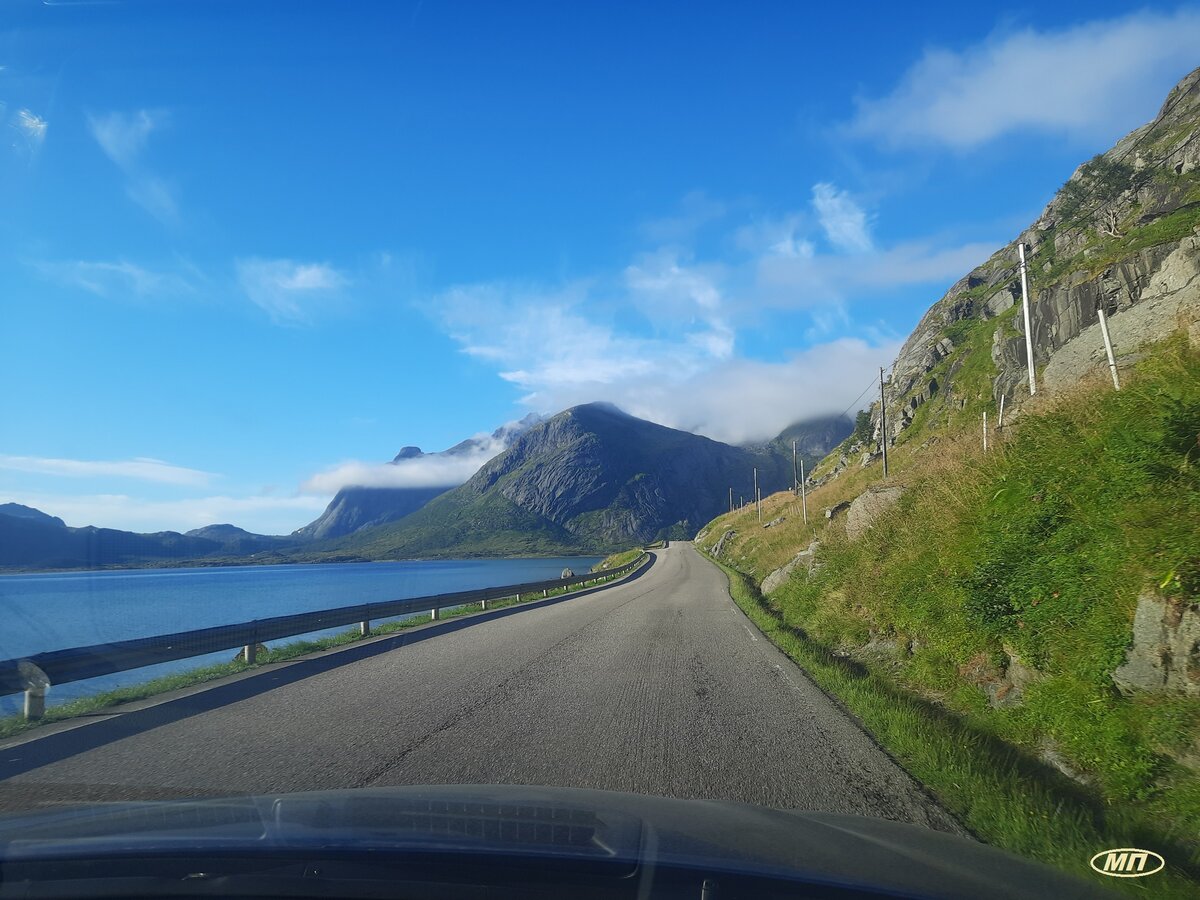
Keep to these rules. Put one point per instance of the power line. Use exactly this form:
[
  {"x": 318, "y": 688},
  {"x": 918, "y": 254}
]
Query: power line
[{"x": 846, "y": 411}]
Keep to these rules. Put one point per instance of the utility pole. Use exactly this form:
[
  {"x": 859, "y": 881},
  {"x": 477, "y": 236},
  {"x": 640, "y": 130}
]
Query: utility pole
[
  {"x": 803, "y": 495},
  {"x": 1112, "y": 361},
  {"x": 1028, "y": 326},
  {"x": 795, "y": 480},
  {"x": 757, "y": 497},
  {"x": 883, "y": 441},
  {"x": 731, "y": 499}
]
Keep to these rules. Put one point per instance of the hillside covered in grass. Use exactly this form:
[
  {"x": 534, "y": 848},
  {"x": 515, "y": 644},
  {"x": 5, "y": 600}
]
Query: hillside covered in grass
[{"x": 1003, "y": 587}]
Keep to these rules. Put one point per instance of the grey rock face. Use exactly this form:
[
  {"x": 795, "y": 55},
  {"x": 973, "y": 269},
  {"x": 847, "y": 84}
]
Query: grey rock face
[
  {"x": 1165, "y": 653},
  {"x": 776, "y": 579},
  {"x": 867, "y": 507},
  {"x": 720, "y": 545},
  {"x": 1063, "y": 313}
]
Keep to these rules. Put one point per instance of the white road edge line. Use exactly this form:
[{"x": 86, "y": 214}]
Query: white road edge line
[{"x": 753, "y": 637}]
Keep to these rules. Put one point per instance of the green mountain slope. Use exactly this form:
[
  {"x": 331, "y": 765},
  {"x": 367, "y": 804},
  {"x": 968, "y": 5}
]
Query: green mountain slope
[{"x": 591, "y": 478}]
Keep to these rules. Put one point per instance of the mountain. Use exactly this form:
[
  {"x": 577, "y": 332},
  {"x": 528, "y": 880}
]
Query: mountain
[
  {"x": 31, "y": 539},
  {"x": 592, "y": 478},
  {"x": 356, "y": 507},
  {"x": 16, "y": 510},
  {"x": 1120, "y": 235},
  {"x": 815, "y": 438},
  {"x": 239, "y": 542}
]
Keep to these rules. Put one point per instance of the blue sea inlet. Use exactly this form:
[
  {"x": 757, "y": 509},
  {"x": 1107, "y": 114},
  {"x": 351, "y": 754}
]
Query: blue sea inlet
[{"x": 54, "y": 611}]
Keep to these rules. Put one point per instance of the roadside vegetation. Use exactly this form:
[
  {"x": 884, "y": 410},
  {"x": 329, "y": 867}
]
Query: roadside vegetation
[
  {"x": 11, "y": 726},
  {"x": 1028, "y": 560}
]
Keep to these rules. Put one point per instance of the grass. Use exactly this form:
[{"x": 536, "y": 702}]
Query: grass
[
  {"x": 1038, "y": 549},
  {"x": 1003, "y": 796},
  {"x": 11, "y": 726},
  {"x": 616, "y": 560}
]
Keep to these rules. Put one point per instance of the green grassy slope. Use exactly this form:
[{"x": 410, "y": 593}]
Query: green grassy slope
[{"x": 1037, "y": 550}]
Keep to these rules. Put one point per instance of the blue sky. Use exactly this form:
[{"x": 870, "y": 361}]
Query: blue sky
[{"x": 247, "y": 248}]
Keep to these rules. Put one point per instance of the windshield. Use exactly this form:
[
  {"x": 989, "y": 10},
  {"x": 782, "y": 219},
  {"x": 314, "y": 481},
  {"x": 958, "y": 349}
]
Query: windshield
[{"x": 788, "y": 406}]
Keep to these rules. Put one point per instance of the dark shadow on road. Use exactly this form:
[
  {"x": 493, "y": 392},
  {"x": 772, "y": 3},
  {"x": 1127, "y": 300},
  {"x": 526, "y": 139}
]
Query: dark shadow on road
[{"x": 44, "y": 751}]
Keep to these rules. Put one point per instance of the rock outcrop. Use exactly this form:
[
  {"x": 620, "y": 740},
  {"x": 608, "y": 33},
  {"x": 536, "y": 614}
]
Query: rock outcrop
[
  {"x": 719, "y": 548},
  {"x": 1111, "y": 238},
  {"x": 869, "y": 505},
  {"x": 1165, "y": 653},
  {"x": 806, "y": 558}
]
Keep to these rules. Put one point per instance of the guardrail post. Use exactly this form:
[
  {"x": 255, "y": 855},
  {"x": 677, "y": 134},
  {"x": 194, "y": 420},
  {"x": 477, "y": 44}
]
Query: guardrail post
[
  {"x": 36, "y": 684},
  {"x": 364, "y": 627},
  {"x": 433, "y": 615},
  {"x": 483, "y": 604},
  {"x": 250, "y": 653},
  {"x": 35, "y": 702}
]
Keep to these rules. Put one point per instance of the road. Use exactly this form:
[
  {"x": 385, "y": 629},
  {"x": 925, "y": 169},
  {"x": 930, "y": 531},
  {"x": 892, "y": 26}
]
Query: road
[{"x": 657, "y": 685}]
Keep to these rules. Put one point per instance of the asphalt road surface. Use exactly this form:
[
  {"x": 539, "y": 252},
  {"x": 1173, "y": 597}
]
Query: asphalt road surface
[{"x": 658, "y": 685}]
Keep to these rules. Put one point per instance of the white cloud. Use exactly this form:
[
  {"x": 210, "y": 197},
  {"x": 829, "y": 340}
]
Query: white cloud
[
  {"x": 829, "y": 281},
  {"x": 663, "y": 279},
  {"x": 260, "y": 513},
  {"x": 141, "y": 468},
  {"x": 123, "y": 138},
  {"x": 775, "y": 237},
  {"x": 1090, "y": 81},
  {"x": 433, "y": 470},
  {"x": 115, "y": 279},
  {"x": 560, "y": 357},
  {"x": 32, "y": 126},
  {"x": 660, "y": 337},
  {"x": 291, "y": 292},
  {"x": 842, "y": 220}
]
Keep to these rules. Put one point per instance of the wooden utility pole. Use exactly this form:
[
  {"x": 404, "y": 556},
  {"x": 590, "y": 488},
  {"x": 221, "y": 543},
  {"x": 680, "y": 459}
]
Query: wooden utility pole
[
  {"x": 1028, "y": 327},
  {"x": 803, "y": 494},
  {"x": 1112, "y": 361},
  {"x": 883, "y": 440},
  {"x": 795, "y": 478},
  {"x": 757, "y": 497}
]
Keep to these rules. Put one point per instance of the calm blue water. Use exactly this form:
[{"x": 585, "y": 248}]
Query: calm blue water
[{"x": 58, "y": 610}]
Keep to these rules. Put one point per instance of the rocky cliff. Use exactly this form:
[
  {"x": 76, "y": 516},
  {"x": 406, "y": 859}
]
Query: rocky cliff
[{"x": 1122, "y": 233}]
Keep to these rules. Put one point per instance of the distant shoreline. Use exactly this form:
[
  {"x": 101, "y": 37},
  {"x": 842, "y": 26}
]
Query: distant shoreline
[{"x": 250, "y": 563}]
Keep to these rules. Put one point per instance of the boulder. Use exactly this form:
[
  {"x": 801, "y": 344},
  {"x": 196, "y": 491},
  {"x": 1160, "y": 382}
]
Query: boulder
[
  {"x": 868, "y": 506},
  {"x": 806, "y": 558},
  {"x": 774, "y": 522},
  {"x": 720, "y": 545},
  {"x": 1164, "y": 655},
  {"x": 567, "y": 573},
  {"x": 834, "y": 511}
]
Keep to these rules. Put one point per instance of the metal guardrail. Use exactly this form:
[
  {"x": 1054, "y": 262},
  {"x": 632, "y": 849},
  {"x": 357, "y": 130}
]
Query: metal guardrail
[{"x": 34, "y": 674}]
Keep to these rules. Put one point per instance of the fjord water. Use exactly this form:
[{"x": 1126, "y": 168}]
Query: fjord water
[{"x": 53, "y": 611}]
